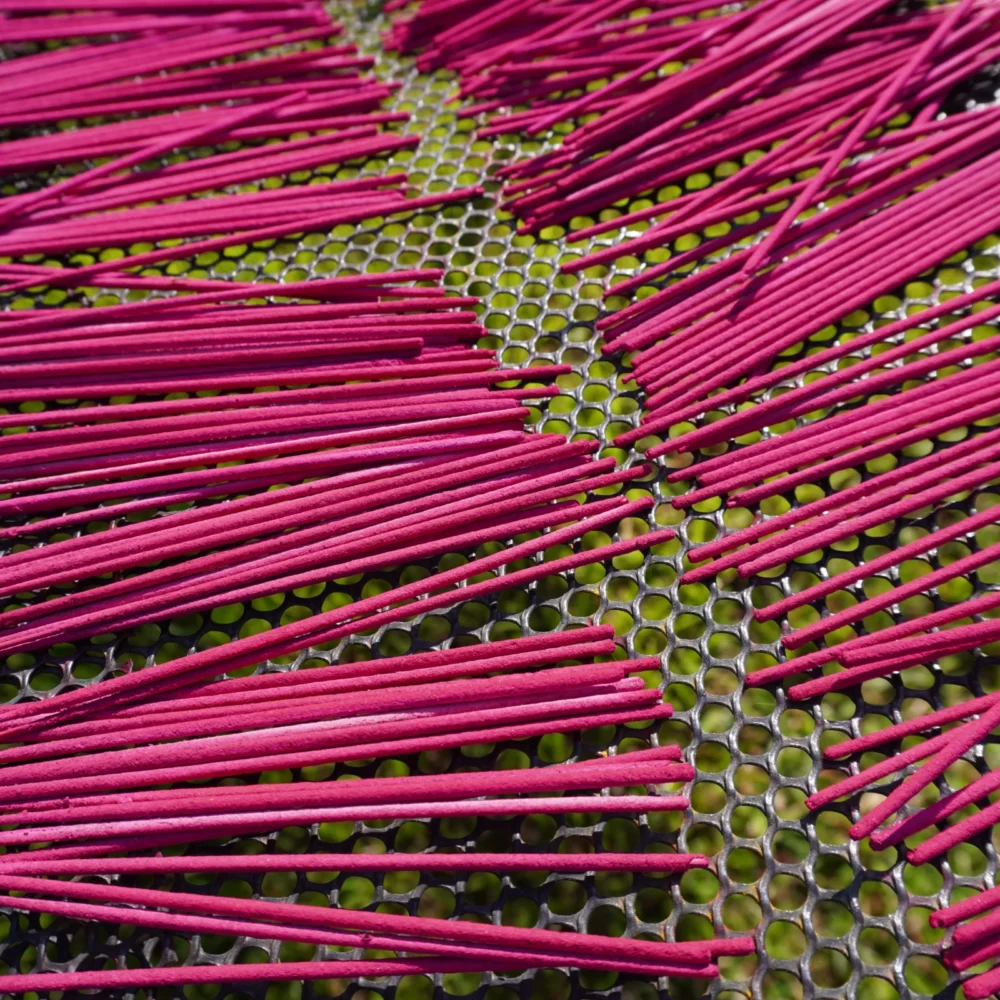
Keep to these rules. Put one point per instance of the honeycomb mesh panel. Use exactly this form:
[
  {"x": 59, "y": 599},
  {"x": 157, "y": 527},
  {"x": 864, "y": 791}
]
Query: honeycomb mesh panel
[{"x": 832, "y": 918}]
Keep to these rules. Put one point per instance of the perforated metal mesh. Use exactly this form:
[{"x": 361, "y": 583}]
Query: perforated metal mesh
[{"x": 832, "y": 918}]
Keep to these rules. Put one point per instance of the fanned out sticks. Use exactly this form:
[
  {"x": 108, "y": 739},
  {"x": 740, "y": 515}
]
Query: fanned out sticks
[
  {"x": 415, "y": 459},
  {"x": 399, "y": 449},
  {"x": 803, "y": 83},
  {"x": 169, "y": 85},
  {"x": 973, "y": 943},
  {"x": 448, "y": 699},
  {"x": 84, "y": 800}
]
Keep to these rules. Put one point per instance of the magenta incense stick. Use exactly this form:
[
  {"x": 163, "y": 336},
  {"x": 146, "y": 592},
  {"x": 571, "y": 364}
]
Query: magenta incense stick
[{"x": 568, "y": 863}]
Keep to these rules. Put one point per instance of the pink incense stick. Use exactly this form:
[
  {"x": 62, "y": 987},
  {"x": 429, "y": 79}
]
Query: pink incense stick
[
  {"x": 419, "y": 388},
  {"x": 277, "y": 375},
  {"x": 117, "y": 979},
  {"x": 425, "y": 927},
  {"x": 839, "y": 581},
  {"x": 745, "y": 421},
  {"x": 976, "y": 931},
  {"x": 223, "y": 863},
  {"x": 868, "y": 777},
  {"x": 172, "y": 708},
  {"x": 935, "y": 643},
  {"x": 963, "y": 958},
  {"x": 369, "y": 791},
  {"x": 717, "y": 373},
  {"x": 853, "y": 514},
  {"x": 528, "y": 650},
  {"x": 335, "y": 496},
  {"x": 213, "y": 826},
  {"x": 872, "y": 414},
  {"x": 894, "y": 733},
  {"x": 282, "y": 433},
  {"x": 900, "y": 425},
  {"x": 264, "y": 931},
  {"x": 828, "y": 505},
  {"x": 517, "y": 578},
  {"x": 781, "y": 554},
  {"x": 853, "y": 676},
  {"x": 949, "y": 916},
  {"x": 533, "y": 650},
  {"x": 138, "y": 464},
  {"x": 216, "y": 719}
]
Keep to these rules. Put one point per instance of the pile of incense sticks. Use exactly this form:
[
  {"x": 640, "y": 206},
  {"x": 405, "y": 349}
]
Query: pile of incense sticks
[
  {"x": 168, "y": 86},
  {"x": 399, "y": 449},
  {"x": 787, "y": 103},
  {"x": 382, "y": 442},
  {"x": 539, "y": 52},
  {"x": 85, "y": 788}
]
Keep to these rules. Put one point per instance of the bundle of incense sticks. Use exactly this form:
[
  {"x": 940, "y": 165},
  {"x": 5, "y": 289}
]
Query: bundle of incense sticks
[
  {"x": 750, "y": 76},
  {"x": 785, "y": 102},
  {"x": 280, "y": 112},
  {"x": 346, "y": 712},
  {"x": 399, "y": 450},
  {"x": 81, "y": 798}
]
